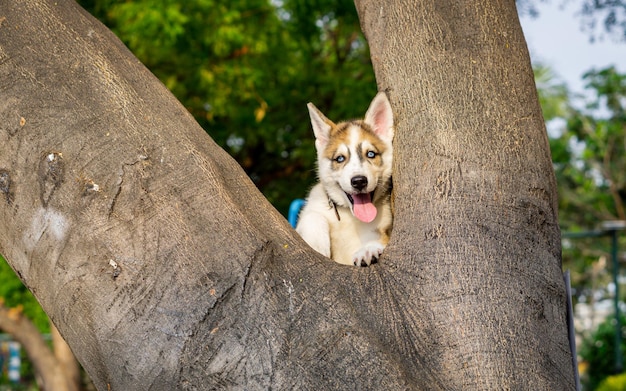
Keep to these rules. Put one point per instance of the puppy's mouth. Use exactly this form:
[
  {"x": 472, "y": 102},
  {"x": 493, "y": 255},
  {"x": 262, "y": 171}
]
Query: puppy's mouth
[{"x": 362, "y": 206}]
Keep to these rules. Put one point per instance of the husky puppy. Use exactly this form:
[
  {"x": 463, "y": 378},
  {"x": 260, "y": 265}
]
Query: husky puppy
[{"x": 347, "y": 215}]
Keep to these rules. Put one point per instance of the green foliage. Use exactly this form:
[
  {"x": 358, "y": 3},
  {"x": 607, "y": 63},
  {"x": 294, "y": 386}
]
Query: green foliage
[
  {"x": 613, "y": 383},
  {"x": 598, "y": 351},
  {"x": 590, "y": 154},
  {"x": 553, "y": 94},
  {"x": 14, "y": 294},
  {"x": 589, "y": 157},
  {"x": 246, "y": 69}
]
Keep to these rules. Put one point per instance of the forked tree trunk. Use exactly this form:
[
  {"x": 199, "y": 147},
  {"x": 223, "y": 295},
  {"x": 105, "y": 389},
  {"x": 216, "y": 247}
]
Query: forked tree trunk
[{"x": 164, "y": 268}]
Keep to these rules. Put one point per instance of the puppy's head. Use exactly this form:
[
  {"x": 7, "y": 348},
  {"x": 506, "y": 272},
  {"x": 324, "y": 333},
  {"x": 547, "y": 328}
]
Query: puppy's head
[{"x": 354, "y": 157}]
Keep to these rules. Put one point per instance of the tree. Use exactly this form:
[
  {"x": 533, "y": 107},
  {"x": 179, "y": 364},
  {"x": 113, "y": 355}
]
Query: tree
[
  {"x": 598, "y": 351},
  {"x": 164, "y": 267},
  {"x": 609, "y": 14},
  {"x": 588, "y": 155},
  {"x": 22, "y": 317},
  {"x": 246, "y": 68}
]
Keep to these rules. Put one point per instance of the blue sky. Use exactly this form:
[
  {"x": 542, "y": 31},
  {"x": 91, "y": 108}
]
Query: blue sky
[{"x": 555, "y": 39}]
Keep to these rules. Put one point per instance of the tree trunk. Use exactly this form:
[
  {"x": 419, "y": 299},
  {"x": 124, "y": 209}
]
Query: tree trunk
[
  {"x": 164, "y": 268},
  {"x": 476, "y": 202}
]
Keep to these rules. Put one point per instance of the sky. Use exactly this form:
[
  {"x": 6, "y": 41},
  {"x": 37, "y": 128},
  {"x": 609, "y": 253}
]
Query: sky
[{"x": 555, "y": 39}]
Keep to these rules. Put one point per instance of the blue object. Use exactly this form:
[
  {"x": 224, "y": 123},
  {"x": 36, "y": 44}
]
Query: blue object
[
  {"x": 294, "y": 211},
  {"x": 15, "y": 362}
]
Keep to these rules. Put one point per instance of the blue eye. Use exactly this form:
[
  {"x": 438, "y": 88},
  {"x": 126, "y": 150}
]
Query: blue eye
[
  {"x": 340, "y": 159},
  {"x": 370, "y": 154}
]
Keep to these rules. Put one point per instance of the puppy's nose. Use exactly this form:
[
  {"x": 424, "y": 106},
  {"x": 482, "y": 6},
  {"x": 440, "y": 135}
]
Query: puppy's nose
[{"x": 359, "y": 182}]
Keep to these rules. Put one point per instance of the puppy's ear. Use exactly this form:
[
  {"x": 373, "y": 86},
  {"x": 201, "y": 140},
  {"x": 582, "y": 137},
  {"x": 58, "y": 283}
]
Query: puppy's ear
[
  {"x": 321, "y": 126},
  {"x": 380, "y": 117}
]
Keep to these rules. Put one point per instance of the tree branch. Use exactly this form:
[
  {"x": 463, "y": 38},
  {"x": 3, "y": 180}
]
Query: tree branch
[{"x": 13, "y": 322}]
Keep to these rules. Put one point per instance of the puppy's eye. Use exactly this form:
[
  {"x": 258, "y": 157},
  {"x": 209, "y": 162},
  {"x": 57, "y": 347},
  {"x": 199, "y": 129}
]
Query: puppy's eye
[
  {"x": 340, "y": 159},
  {"x": 371, "y": 154}
]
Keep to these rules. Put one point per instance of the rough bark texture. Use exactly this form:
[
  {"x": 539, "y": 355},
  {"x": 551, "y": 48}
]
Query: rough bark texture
[
  {"x": 476, "y": 206},
  {"x": 164, "y": 268}
]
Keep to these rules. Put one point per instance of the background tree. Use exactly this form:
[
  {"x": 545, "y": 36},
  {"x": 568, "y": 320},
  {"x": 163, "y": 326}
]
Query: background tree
[
  {"x": 598, "y": 353},
  {"x": 22, "y": 318},
  {"x": 165, "y": 268},
  {"x": 51, "y": 368},
  {"x": 601, "y": 18},
  {"x": 613, "y": 383},
  {"x": 588, "y": 154}
]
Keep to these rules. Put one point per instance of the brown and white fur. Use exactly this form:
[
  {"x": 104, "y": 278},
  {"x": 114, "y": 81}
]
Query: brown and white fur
[{"x": 347, "y": 216}]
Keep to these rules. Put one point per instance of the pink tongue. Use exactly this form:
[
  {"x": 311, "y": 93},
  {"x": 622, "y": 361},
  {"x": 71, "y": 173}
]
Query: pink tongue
[{"x": 363, "y": 208}]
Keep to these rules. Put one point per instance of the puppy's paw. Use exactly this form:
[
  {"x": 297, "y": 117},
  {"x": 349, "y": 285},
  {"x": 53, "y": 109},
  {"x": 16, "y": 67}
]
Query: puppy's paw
[{"x": 368, "y": 254}]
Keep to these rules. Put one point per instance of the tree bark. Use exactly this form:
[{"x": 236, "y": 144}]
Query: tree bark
[
  {"x": 476, "y": 203},
  {"x": 164, "y": 268}
]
